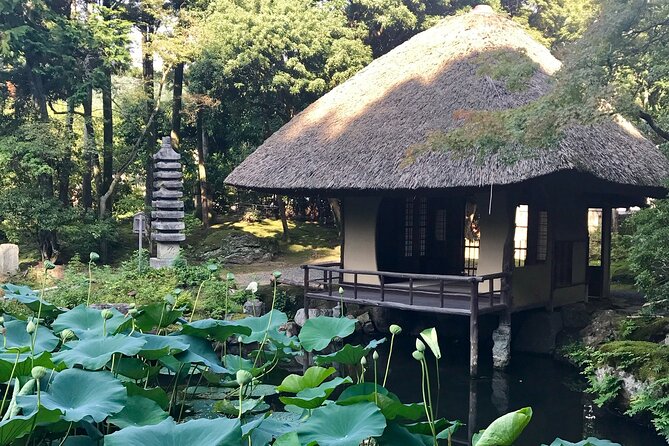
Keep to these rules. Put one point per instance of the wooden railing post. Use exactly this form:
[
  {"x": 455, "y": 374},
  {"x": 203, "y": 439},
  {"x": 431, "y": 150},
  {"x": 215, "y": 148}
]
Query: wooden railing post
[
  {"x": 355, "y": 286},
  {"x": 474, "y": 329},
  {"x": 382, "y": 280},
  {"x": 330, "y": 283},
  {"x": 411, "y": 291},
  {"x": 441, "y": 293},
  {"x": 307, "y": 358}
]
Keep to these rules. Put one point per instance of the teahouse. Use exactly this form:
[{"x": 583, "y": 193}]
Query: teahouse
[{"x": 435, "y": 231}]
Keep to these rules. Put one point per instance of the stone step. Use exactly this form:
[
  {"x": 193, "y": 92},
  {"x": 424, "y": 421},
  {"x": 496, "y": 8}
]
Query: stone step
[
  {"x": 173, "y": 215},
  {"x": 168, "y": 225},
  {"x": 166, "y": 193},
  {"x": 173, "y": 238},
  {"x": 167, "y": 175},
  {"x": 167, "y": 204},
  {"x": 167, "y": 165},
  {"x": 169, "y": 184}
]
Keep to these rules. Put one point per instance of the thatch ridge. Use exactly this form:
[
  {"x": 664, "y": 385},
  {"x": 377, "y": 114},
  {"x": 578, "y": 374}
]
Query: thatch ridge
[{"x": 356, "y": 137}]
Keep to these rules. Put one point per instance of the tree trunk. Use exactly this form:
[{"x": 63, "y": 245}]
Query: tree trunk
[
  {"x": 66, "y": 164},
  {"x": 282, "y": 215},
  {"x": 152, "y": 136},
  {"x": 203, "y": 204},
  {"x": 177, "y": 92},
  {"x": 89, "y": 148},
  {"x": 107, "y": 139}
]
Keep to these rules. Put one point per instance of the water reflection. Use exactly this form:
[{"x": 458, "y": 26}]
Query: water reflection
[{"x": 553, "y": 390}]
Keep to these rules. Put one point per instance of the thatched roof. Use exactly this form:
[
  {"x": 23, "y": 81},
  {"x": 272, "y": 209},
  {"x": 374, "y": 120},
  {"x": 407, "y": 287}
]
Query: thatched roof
[{"x": 356, "y": 137}]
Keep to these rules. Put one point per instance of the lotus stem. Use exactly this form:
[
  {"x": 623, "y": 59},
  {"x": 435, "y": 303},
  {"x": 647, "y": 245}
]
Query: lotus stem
[
  {"x": 183, "y": 402},
  {"x": 390, "y": 354},
  {"x": 11, "y": 375},
  {"x": 240, "y": 401},
  {"x": 269, "y": 322},
  {"x": 425, "y": 404},
  {"x": 225, "y": 302},
  {"x": 436, "y": 364},
  {"x": 67, "y": 434},
  {"x": 429, "y": 391},
  {"x": 174, "y": 389},
  {"x": 104, "y": 327},
  {"x": 197, "y": 298},
  {"x": 376, "y": 390},
  {"x": 90, "y": 283}
]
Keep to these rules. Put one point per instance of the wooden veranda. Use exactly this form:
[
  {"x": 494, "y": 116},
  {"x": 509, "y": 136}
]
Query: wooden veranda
[{"x": 432, "y": 293}]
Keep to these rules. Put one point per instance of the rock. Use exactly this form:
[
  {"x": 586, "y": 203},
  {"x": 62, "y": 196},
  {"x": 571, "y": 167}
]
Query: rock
[
  {"x": 501, "y": 350},
  {"x": 336, "y": 312},
  {"x": 537, "y": 332},
  {"x": 254, "y": 307},
  {"x": 300, "y": 317},
  {"x": 242, "y": 248},
  {"x": 9, "y": 258},
  {"x": 630, "y": 385},
  {"x": 122, "y": 308},
  {"x": 380, "y": 318},
  {"x": 368, "y": 328},
  {"x": 290, "y": 328},
  {"x": 575, "y": 316},
  {"x": 364, "y": 319},
  {"x": 358, "y": 325},
  {"x": 603, "y": 328},
  {"x": 666, "y": 340}
]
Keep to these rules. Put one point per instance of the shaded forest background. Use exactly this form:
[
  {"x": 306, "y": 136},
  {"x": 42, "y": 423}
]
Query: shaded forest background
[{"x": 88, "y": 88}]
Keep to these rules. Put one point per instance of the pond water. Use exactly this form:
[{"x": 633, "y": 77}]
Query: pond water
[{"x": 553, "y": 390}]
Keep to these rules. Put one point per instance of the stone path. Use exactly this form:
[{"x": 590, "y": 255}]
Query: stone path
[{"x": 291, "y": 275}]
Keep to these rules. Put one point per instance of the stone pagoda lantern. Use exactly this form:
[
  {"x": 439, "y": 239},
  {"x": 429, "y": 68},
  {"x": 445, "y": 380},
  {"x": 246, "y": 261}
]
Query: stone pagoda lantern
[{"x": 167, "y": 224}]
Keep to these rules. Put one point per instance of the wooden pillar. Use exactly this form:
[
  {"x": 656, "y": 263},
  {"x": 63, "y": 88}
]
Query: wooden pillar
[
  {"x": 474, "y": 330},
  {"x": 307, "y": 356},
  {"x": 471, "y": 419},
  {"x": 607, "y": 214}
]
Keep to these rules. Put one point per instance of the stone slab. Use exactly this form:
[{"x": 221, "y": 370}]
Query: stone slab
[
  {"x": 172, "y": 215},
  {"x": 158, "y": 237},
  {"x": 167, "y": 175},
  {"x": 168, "y": 184},
  {"x": 9, "y": 258},
  {"x": 167, "y": 165},
  {"x": 161, "y": 263},
  {"x": 168, "y": 226},
  {"x": 168, "y": 204},
  {"x": 166, "y": 151},
  {"x": 537, "y": 332},
  {"x": 166, "y": 193},
  {"x": 167, "y": 250}
]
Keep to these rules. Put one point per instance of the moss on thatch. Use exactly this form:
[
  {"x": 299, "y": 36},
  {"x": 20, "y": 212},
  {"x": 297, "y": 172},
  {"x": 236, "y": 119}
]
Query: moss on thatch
[{"x": 454, "y": 79}]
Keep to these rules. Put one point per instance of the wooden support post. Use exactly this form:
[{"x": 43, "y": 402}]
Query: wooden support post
[
  {"x": 411, "y": 291},
  {"x": 474, "y": 330},
  {"x": 441, "y": 293},
  {"x": 355, "y": 285},
  {"x": 607, "y": 217},
  {"x": 471, "y": 419},
  {"x": 382, "y": 280},
  {"x": 307, "y": 358}
]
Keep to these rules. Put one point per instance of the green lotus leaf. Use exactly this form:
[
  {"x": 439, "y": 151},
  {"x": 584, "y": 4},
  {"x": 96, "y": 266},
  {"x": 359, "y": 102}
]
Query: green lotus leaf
[
  {"x": 138, "y": 411},
  {"x": 134, "y": 368},
  {"x": 313, "y": 377},
  {"x": 318, "y": 332},
  {"x": 24, "y": 365},
  {"x": 80, "y": 394},
  {"x": 335, "y": 425},
  {"x": 424, "y": 428},
  {"x": 388, "y": 402},
  {"x": 95, "y": 353},
  {"x": 215, "y": 329},
  {"x": 199, "y": 352},
  {"x": 231, "y": 407},
  {"x": 156, "y": 394},
  {"x": 30, "y": 299},
  {"x": 80, "y": 440},
  {"x": 156, "y": 315},
  {"x": 158, "y": 346},
  {"x": 349, "y": 354},
  {"x": 590, "y": 441},
  {"x": 313, "y": 397},
  {"x": 450, "y": 430},
  {"x": 20, "y": 425},
  {"x": 258, "y": 326},
  {"x": 217, "y": 432},
  {"x": 398, "y": 435},
  {"x": 430, "y": 337},
  {"x": 506, "y": 429},
  {"x": 270, "y": 427},
  {"x": 17, "y": 336},
  {"x": 87, "y": 322}
]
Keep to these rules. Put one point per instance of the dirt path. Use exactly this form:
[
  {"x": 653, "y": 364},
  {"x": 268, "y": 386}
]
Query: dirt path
[{"x": 290, "y": 274}]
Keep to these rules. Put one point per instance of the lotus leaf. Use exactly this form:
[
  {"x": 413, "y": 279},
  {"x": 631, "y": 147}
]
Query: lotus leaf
[
  {"x": 156, "y": 394},
  {"x": 24, "y": 365},
  {"x": 95, "y": 353},
  {"x": 199, "y": 352},
  {"x": 272, "y": 426},
  {"x": 158, "y": 346},
  {"x": 81, "y": 394},
  {"x": 313, "y": 377},
  {"x": 430, "y": 337},
  {"x": 20, "y": 425},
  {"x": 590, "y": 441},
  {"x": 313, "y": 397},
  {"x": 258, "y": 326},
  {"x": 156, "y": 315},
  {"x": 26, "y": 296},
  {"x": 134, "y": 368},
  {"x": 398, "y": 435},
  {"x": 506, "y": 429},
  {"x": 138, "y": 411},
  {"x": 87, "y": 322},
  {"x": 388, "y": 402},
  {"x": 217, "y": 432},
  {"x": 349, "y": 354},
  {"x": 335, "y": 425},
  {"x": 318, "y": 332},
  {"x": 215, "y": 329},
  {"x": 17, "y": 336}
]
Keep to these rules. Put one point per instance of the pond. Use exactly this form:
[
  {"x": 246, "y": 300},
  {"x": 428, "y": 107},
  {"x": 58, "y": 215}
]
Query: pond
[{"x": 553, "y": 390}]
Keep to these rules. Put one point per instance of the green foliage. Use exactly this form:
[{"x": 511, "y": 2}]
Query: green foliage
[
  {"x": 606, "y": 388},
  {"x": 654, "y": 399},
  {"x": 513, "y": 68},
  {"x": 505, "y": 430}
]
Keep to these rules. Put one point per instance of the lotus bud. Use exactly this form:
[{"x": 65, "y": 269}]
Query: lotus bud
[
  {"x": 132, "y": 312},
  {"x": 363, "y": 361},
  {"x": 132, "y": 305},
  {"x": 244, "y": 377},
  {"x": 395, "y": 329},
  {"x": 229, "y": 276},
  {"x": 420, "y": 346},
  {"x": 375, "y": 355},
  {"x": 2, "y": 320},
  {"x": 212, "y": 267},
  {"x": 106, "y": 314},
  {"x": 276, "y": 274},
  {"x": 341, "y": 291},
  {"x": 66, "y": 335},
  {"x": 418, "y": 356},
  {"x": 31, "y": 327},
  {"x": 240, "y": 338},
  {"x": 252, "y": 287},
  {"x": 38, "y": 372},
  {"x": 49, "y": 265},
  {"x": 94, "y": 256}
]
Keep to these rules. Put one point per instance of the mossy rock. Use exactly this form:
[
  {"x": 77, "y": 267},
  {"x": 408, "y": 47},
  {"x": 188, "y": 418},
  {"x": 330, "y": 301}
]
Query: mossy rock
[
  {"x": 649, "y": 329},
  {"x": 646, "y": 360}
]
